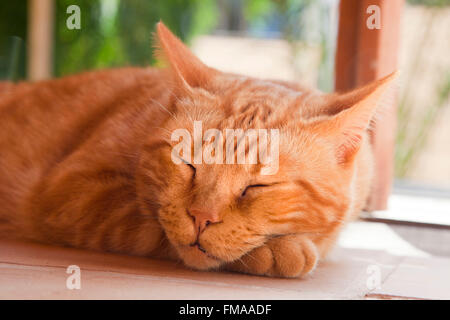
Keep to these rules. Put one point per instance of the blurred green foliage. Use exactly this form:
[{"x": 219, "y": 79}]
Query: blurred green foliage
[
  {"x": 76, "y": 50},
  {"x": 113, "y": 32},
  {"x": 119, "y": 32},
  {"x": 13, "y": 29},
  {"x": 303, "y": 23},
  {"x": 410, "y": 143},
  {"x": 430, "y": 2},
  {"x": 413, "y": 132}
]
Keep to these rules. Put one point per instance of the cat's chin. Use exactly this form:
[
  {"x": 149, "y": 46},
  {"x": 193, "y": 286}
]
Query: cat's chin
[{"x": 197, "y": 259}]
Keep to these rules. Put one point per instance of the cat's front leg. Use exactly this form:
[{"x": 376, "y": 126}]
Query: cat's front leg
[{"x": 288, "y": 256}]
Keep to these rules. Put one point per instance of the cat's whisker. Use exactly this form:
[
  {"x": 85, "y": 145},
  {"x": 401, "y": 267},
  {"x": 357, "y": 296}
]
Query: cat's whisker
[
  {"x": 252, "y": 257},
  {"x": 164, "y": 129},
  {"x": 163, "y": 239},
  {"x": 241, "y": 260},
  {"x": 164, "y": 108},
  {"x": 180, "y": 103},
  {"x": 125, "y": 154}
]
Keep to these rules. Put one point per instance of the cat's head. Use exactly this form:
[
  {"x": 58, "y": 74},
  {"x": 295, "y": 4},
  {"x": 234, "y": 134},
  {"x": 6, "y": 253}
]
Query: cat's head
[{"x": 214, "y": 213}]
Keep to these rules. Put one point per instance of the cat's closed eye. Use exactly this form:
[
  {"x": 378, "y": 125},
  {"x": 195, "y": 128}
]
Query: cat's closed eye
[
  {"x": 190, "y": 165},
  {"x": 194, "y": 170},
  {"x": 244, "y": 193}
]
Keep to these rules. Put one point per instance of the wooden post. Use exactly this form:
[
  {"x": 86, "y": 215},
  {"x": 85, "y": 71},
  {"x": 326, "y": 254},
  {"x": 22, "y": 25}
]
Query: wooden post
[
  {"x": 364, "y": 55},
  {"x": 40, "y": 39}
]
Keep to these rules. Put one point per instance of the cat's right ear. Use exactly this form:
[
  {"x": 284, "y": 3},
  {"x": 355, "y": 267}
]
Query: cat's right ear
[
  {"x": 352, "y": 115},
  {"x": 189, "y": 72}
]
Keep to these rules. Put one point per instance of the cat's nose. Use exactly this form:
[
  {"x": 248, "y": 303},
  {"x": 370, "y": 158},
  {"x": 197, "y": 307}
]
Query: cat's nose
[{"x": 203, "y": 218}]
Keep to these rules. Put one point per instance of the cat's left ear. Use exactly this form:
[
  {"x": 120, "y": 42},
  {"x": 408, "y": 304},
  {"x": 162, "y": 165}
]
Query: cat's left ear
[
  {"x": 188, "y": 70},
  {"x": 351, "y": 115}
]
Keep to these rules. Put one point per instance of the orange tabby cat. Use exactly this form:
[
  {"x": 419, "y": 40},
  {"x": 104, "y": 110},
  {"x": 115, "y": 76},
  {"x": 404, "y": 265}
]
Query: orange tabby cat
[{"x": 85, "y": 161}]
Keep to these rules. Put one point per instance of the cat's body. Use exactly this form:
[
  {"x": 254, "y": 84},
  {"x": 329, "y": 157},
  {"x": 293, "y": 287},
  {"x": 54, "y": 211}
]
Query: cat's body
[
  {"x": 85, "y": 162},
  {"x": 97, "y": 121}
]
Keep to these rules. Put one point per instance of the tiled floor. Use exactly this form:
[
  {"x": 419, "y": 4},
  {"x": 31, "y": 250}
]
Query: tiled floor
[{"x": 34, "y": 271}]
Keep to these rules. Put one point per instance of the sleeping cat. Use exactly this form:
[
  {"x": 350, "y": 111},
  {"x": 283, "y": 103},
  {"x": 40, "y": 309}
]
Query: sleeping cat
[{"x": 86, "y": 161}]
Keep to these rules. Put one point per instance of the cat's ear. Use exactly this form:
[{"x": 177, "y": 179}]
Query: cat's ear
[
  {"x": 188, "y": 70},
  {"x": 352, "y": 113}
]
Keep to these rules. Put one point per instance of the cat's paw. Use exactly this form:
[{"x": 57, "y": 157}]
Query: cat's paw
[{"x": 288, "y": 256}]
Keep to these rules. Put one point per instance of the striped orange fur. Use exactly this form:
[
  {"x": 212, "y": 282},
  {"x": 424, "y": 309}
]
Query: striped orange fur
[{"x": 85, "y": 161}]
